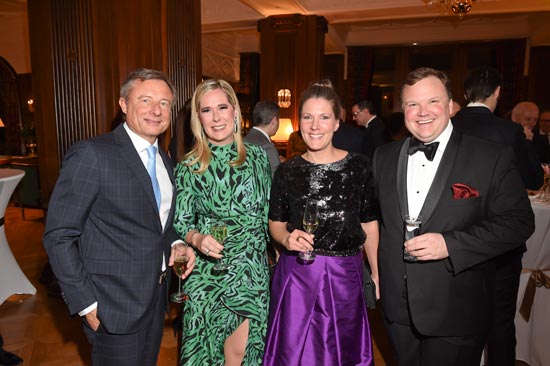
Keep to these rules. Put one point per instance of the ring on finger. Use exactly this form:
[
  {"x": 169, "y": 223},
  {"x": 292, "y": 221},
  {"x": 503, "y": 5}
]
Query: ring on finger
[{"x": 207, "y": 252}]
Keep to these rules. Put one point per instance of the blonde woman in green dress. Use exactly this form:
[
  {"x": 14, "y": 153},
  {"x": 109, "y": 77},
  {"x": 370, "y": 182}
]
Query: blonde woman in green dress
[{"x": 223, "y": 179}]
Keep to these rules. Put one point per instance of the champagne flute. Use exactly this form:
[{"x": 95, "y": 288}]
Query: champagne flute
[
  {"x": 180, "y": 266},
  {"x": 310, "y": 222},
  {"x": 219, "y": 232}
]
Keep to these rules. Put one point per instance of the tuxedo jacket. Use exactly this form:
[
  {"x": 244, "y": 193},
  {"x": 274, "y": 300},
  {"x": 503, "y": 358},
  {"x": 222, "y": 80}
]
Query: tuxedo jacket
[
  {"x": 452, "y": 296},
  {"x": 257, "y": 138},
  {"x": 542, "y": 146},
  {"x": 103, "y": 234},
  {"x": 481, "y": 122},
  {"x": 375, "y": 135}
]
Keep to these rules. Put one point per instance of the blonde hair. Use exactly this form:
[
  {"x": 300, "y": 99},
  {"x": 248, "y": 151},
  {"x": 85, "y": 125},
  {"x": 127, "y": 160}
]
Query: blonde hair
[{"x": 200, "y": 153}]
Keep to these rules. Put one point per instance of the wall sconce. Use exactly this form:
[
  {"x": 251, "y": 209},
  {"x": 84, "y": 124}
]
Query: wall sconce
[
  {"x": 30, "y": 103},
  {"x": 285, "y": 129},
  {"x": 283, "y": 98},
  {"x": 2, "y": 123}
]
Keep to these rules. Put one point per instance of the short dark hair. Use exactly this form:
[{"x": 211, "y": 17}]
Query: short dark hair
[
  {"x": 263, "y": 112},
  {"x": 366, "y": 104},
  {"x": 481, "y": 83},
  {"x": 421, "y": 73},
  {"x": 142, "y": 75}
]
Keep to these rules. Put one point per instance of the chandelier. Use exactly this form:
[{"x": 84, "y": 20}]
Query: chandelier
[{"x": 458, "y": 7}]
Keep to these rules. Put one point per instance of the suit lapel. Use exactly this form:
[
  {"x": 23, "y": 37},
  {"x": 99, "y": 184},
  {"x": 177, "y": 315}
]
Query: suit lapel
[
  {"x": 402, "y": 178},
  {"x": 136, "y": 165},
  {"x": 441, "y": 176}
]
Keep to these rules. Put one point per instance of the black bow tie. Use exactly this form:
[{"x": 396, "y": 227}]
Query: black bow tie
[{"x": 428, "y": 149}]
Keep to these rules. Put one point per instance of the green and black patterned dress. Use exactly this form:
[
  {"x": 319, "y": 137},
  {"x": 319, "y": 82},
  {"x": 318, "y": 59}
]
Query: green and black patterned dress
[{"x": 219, "y": 302}]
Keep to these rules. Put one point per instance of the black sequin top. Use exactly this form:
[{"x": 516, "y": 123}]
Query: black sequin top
[{"x": 346, "y": 197}]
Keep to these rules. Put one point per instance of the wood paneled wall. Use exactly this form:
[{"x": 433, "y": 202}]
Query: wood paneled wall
[
  {"x": 81, "y": 52},
  {"x": 291, "y": 56}
]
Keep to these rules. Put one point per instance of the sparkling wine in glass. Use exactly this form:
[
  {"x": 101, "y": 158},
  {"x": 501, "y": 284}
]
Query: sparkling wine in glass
[
  {"x": 310, "y": 223},
  {"x": 180, "y": 265},
  {"x": 219, "y": 232}
]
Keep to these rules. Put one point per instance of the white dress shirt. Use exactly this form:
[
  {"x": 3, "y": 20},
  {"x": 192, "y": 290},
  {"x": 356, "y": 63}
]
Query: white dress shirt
[{"x": 421, "y": 173}]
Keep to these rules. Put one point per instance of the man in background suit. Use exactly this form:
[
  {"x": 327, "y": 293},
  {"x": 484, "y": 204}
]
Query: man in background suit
[
  {"x": 365, "y": 116},
  {"x": 109, "y": 233},
  {"x": 265, "y": 123},
  {"x": 348, "y": 137},
  {"x": 473, "y": 207},
  {"x": 482, "y": 89},
  {"x": 541, "y": 137}
]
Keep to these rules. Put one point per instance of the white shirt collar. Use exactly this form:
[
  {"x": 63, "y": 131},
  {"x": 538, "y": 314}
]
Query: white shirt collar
[
  {"x": 478, "y": 104},
  {"x": 263, "y": 132},
  {"x": 140, "y": 144},
  {"x": 444, "y": 137},
  {"x": 370, "y": 120}
]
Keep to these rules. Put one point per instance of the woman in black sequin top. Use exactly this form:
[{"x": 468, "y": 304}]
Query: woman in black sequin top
[{"x": 317, "y": 314}]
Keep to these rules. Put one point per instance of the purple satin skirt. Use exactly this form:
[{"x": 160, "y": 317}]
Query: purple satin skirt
[{"x": 317, "y": 314}]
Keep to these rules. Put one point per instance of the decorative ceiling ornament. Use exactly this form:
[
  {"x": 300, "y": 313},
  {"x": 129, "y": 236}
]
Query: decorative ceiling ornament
[{"x": 458, "y": 7}]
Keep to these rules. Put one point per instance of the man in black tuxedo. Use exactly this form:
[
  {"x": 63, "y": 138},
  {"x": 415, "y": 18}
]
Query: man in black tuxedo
[
  {"x": 109, "y": 233},
  {"x": 473, "y": 207},
  {"x": 365, "y": 116},
  {"x": 482, "y": 88}
]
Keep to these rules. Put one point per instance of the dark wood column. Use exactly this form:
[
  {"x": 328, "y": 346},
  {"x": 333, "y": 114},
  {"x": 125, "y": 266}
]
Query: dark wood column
[
  {"x": 82, "y": 50},
  {"x": 292, "y": 48}
]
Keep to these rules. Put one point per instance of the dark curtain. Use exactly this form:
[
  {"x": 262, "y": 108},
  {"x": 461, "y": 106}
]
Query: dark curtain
[
  {"x": 360, "y": 70},
  {"x": 510, "y": 61}
]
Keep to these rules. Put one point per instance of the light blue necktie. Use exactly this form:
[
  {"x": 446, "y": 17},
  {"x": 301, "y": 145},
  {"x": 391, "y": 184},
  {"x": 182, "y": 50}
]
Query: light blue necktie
[{"x": 152, "y": 170}]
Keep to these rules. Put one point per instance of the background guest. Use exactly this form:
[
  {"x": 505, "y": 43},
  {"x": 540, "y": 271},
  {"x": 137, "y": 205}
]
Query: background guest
[
  {"x": 348, "y": 137},
  {"x": 365, "y": 116},
  {"x": 265, "y": 121},
  {"x": 317, "y": 313},
  {"x": 526, "y": 114},
  {"x": 296, "y": 145},
  {"x": 223, "y": 179},
  {"x": 108, "y": 232},
  {"x": 482, "y": 89}
]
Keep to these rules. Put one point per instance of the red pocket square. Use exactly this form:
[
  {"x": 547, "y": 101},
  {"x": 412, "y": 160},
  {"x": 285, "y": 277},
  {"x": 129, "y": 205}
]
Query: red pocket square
[{"x": 462, "y": 191}]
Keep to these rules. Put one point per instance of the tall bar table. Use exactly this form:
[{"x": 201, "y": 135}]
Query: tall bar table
[{"x": 12, "y": 279}]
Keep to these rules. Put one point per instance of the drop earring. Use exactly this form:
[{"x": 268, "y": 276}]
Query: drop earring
[{"x": 235, "y": 125}]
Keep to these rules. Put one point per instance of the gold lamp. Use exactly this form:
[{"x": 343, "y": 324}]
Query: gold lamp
[{"x": 284, "y": 131}]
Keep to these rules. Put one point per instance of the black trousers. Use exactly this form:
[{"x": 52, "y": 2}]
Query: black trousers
[
  {"x": 135, "y": 349},
  {"x": 415, "y": 349},
  {"x": 501, "y": 344}
]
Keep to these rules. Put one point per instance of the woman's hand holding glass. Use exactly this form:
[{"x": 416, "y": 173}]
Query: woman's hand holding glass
[
  {"x": 207, "y": 245},
  {"x": 299, "y": 241}
]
